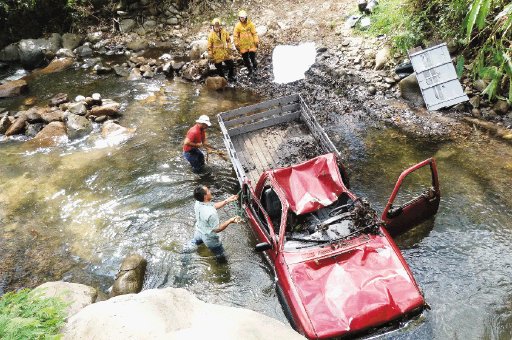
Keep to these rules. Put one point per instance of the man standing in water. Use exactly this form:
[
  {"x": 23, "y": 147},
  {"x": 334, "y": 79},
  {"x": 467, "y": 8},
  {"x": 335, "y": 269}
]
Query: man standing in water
[
  {"x": 207, "y": 225},
  {"x": 196, "y": 138}
]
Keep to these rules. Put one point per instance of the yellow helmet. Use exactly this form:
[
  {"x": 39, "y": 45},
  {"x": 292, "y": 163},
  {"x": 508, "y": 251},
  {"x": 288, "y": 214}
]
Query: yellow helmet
[
  {"x": 242, "y": 14},
  {"x": 216, "y": 21}
]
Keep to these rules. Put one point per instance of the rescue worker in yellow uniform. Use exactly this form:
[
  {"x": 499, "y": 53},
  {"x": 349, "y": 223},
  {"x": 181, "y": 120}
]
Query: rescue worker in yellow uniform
[
  {"x": 246, "y": 41},
  {"x": 219, "y": 50}
]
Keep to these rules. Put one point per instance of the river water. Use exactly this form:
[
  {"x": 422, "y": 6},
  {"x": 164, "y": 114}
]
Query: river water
[{"x": 74, "y": 212}]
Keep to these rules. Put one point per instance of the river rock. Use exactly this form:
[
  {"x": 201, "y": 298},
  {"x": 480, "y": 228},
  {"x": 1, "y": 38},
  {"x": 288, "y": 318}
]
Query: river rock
[
  {"x": 195, "y": 70},
  {"x": 168, "y": 70},
  {"x": 52, "y": 134},
  {"x": 121, "y": 71},
  {"x": 130, "y": 277},
  {"x": 5, "y": 123},
  {"x": 171, "y": 313},
  {"x": 149, "y": 24},
  {"x": 33, "y": 115},
  {"x": 137, "y": 45},
  {"x": 177, "y": 65},
  {"x": 100, "y": 69},
  {"x": 198, "y": 47},
  {"x": 18, "y": 126},
  {"x": 410, "y": 90},
  {"x": 261, "y": 30},
  {"x": 10, "y": 53},
  {"x": 13, "y": 88},
  {"x": 77, "y": 108},
  {"x": 501, "y": 107},
  {"x": 83, "y": 51},
  {"x": 77, "y": 126},
  {"x": 382, "y": 57},
  {"x": 109, "y": 108},
  {"x": 475, "y": 101},
  {"x": 54, "y": 42},
  {"x": 216, "y": 83},
  {"x": 480, "y": 85},
  {"x": 31, "y": 130},
  {"x": 52, "y": 115},
  {"x": 64, "y": 53},
  {"x": 58, "y": 99},
  {"x": 56, "y": 65},
  {"x": 95, "y": 37},
  {"x": 172, "y": 21},
  {"x": 75, "y": 295},
  {"x": 71, "y": 40},
  {"x": 32, "y": 53},
  {"x": 115, "y": 134},
  {"x": 135, "y": 74},
  {"x": 127, "y": 25}
]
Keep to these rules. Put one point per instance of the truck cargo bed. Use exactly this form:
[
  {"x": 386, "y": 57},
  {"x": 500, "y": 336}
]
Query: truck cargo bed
[{"x": 272, "y": 134}]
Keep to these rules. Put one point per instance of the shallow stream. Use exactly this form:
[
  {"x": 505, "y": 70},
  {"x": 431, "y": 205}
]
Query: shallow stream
[{"x": 74, "y": 212}]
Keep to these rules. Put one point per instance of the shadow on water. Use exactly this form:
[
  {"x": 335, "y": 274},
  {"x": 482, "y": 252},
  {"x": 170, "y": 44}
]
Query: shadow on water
[{"x": 74, "y": 212}]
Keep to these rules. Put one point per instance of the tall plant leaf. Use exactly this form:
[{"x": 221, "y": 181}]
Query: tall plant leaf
[
  {"x": 482, "y": 14},
  {"x": 459, "y": 68},
  {"x": 472, "y": 17}
]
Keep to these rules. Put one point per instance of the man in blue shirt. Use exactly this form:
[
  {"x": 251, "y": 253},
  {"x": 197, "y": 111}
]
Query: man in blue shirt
[{"x": 207, "y": 220}]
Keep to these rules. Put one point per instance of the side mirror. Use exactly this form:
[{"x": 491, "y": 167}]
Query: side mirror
[{"x": 262, "y": 246}]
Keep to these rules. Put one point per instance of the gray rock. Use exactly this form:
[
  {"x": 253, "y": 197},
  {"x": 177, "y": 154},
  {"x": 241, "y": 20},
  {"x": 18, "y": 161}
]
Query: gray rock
[
  {"x": 149, "y": 24},
  {"x": 135, "y": 74},
  {"x": 480, "y": 85},
  {"x": 121, "y": 71},
  {"x": 172, "y": 21},
  {"x": 10, "y": 53},
  {"x": 109, "y": 108},
  {"x": 95, "y": 37},
  {"x": 77, "y": 126},
  {"x": 216, "y": 83},
  {"x": 168, "y": 70},
  {"x": 127, "y": 25},
  {"x": 77, "y": 108},
  {"x": 382, "y": 57},
  {"x": 33, "y": 116},
  {"x": 83, "y": 51},
  {"x": 177, "y": 65},
  {"x": 32, "y": 53},
  {"x": 137, "y": 45},
  {"x": 58, "y": 99},
  {"x": 171, "y": 313},
  {"x": 18, "y": 126},
  {"x": 148, "y": 74},
  {"x": 476, "y": 112},
  {"x": 100, "y": 69},
  {"x": 501, "y": 107},
  {"x": 475, "y": 101},
  {"x": 64, "y": 53},
  {"x": 372, "y": 90},
  {"x": 32, "y": 130},
  {"x": 71, "y": 41},
  {"x": 75, "y": 295},
  {"x": 410, "y": 90},
  {"x": 5, "y": 123},
  {"x": 261, "y": 30}
]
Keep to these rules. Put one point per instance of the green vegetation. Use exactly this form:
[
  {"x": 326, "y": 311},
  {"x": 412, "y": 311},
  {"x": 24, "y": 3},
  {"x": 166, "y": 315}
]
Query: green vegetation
[
  {"x": 23, "y": 315},
  {"x": 481, "y": 29}
]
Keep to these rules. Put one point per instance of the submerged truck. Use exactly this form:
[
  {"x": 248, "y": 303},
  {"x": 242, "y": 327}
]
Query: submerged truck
[{"x": 338, "y": 271}]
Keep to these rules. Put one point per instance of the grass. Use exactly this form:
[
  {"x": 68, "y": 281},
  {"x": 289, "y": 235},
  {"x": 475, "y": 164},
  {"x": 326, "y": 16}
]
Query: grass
[{"x": 24, "y": 315}]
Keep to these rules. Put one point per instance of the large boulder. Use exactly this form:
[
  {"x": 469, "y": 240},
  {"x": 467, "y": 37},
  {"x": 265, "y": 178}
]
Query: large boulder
[
  {"x": 71, "y": 41},
  {"x": 51, "y": 115},
  {"x": 127, "y": 25},
  {"x": 13, "y": 88},
  {"x": 75, "y": 295},
  {"x": 77, "y": 126},
  {"x": 216, "y": 83},
  {"x": 197, "y": 48},
  {"x": 130, "y": 277},
  {"x": 32, "y": 53},
  {"x": 10, "y": 53},
  {"x": 410, "y": 90},
  {"x": 171, "y": 313},
  {"x": 52, "y": 134}
]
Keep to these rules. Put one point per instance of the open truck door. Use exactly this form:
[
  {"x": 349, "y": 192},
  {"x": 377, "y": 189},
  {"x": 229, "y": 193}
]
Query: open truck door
[{"x": 401, "y": 218}]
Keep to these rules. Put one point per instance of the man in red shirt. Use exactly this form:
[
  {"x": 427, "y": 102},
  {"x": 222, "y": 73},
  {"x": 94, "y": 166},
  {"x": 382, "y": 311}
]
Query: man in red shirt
[{"x": 196, "y": 138}]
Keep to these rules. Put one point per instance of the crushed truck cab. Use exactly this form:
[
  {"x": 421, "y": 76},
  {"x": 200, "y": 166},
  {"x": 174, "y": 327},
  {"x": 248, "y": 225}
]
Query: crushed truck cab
[{"x": 338, "y": 270}]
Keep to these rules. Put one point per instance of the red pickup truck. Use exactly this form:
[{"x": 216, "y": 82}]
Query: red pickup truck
[{"x": 338, "y": 271}]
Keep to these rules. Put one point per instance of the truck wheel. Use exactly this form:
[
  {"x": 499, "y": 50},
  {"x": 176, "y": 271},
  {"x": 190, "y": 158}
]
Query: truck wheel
[{"x": 285, "y": 306}]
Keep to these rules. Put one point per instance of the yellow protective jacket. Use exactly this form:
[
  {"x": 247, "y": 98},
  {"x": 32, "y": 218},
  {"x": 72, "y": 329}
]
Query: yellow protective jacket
[
  {"x": 219, "y": 46},
  {"x": 245, "y": 37}
]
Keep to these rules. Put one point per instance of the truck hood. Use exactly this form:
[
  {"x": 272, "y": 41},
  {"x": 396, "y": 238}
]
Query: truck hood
[{"x": 351, "y": 291}]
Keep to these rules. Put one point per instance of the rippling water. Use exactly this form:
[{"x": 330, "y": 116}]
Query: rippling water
[{"x": 74, "y": 212}]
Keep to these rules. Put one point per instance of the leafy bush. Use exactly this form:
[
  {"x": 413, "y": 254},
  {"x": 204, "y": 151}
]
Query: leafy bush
[
  {"x": 24, "y": 315},
  {"x": 482, "y": 27}
]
